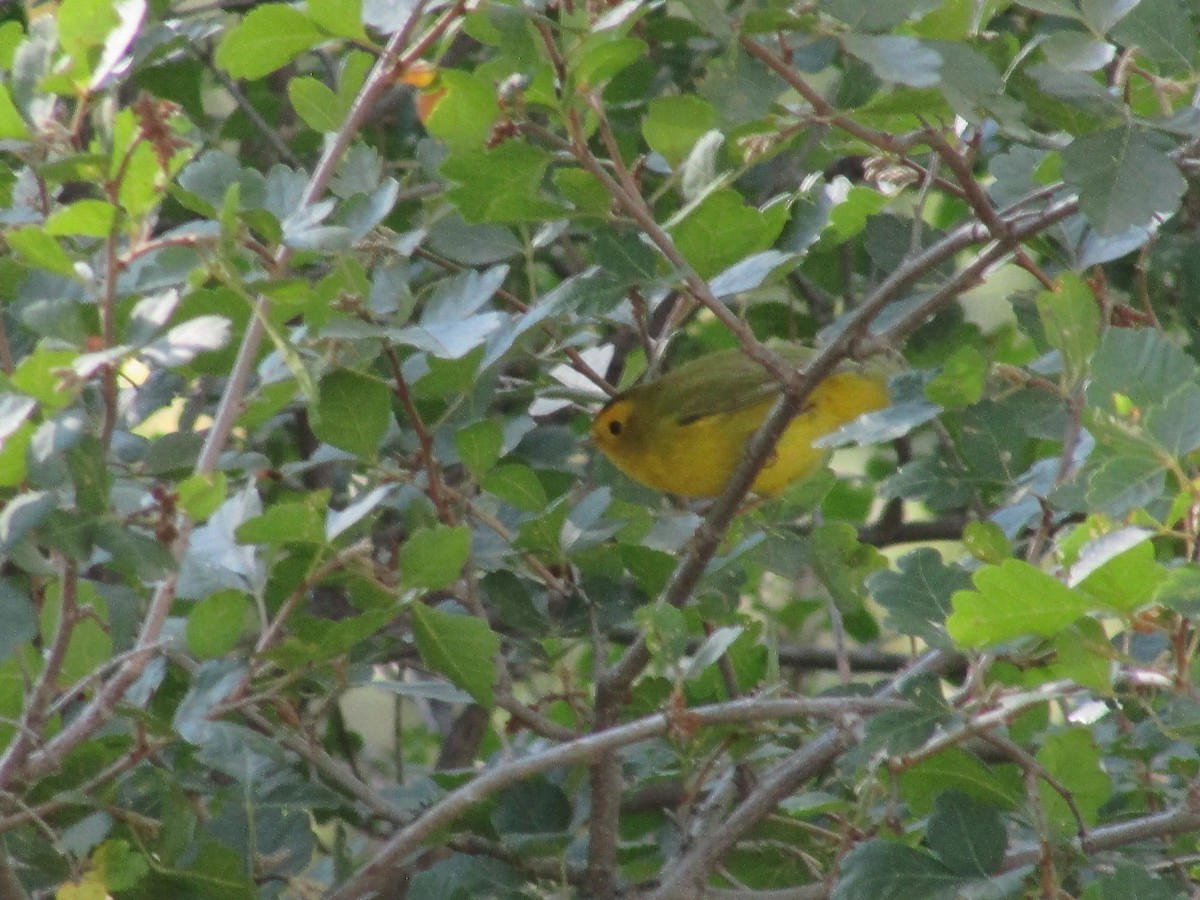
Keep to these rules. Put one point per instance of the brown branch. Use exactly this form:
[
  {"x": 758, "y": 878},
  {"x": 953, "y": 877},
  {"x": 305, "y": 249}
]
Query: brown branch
[
  {"x": 685, "y": 878},
  {"x": 584, "y": 750}
]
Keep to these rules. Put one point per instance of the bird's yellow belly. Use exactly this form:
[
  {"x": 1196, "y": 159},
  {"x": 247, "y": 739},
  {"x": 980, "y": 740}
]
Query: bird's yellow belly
[{"x": 696, "y": 459}]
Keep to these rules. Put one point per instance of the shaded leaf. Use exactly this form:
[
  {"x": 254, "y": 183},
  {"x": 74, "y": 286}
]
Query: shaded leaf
[
  {"x": 1122, "y": 180},
  {"x": 463, "y": 648}
]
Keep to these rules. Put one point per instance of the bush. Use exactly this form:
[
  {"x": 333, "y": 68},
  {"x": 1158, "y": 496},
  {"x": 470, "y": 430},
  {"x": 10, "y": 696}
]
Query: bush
[{"x": 312, "y": 583}]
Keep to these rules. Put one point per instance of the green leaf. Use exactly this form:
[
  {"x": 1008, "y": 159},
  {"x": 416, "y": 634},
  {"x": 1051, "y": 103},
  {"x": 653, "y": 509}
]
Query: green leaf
[
  {"x": 14, "y": 466},
  {"x": 21, "y": 515},
  {"x": 1131, "y": 881},
  {"x": 433, "y": 558},
  {"x": 134, "y": 552},
  {"x": 1122, "y": 483},
  {"x": 903, "y": 60},
  {"x": 1123, "y": 181},
  {"x": 986, "y": 542},
  {"x": 12, "y": 126},
  {"x": 1163, "y": 31},
  {"x": 18, "y": 624},
  {"x": 518, "y": 485},
  {"x": 966, "y": 835},
  {"x": 267, "y": 38},
  {"x": 722, "y": 230},
  {"x": 479, "y": 445},
  {"x": 502, "y": 186},
  {"x": 850, "y": 217},
  {"x": 843, "y": 563},
  {"x": 1101, "y": 15},
  {"x": 1082, "y": 653},
  {"x": 1174, "y": 423},
  {"x": 917, "y": 596},
  {"x": 1077, "y": 51},
  {"x": 583, "y": 190},
  {"x": 88, "y": 465},
  {"x": 535, "y": 806},
  {"x": 463, "y": 117},
  {"x": 341, "y": 17},
  {"x": 353, "y": 412},
  {"x": 1119, "y": 570},
  {"x": 1070, "y": 318},
  {"x": 1074, "y": 761},
  {"x": 40, "y": 250},
  {"x": 887, "y": 870},
  {"x": 216, "y": 623},
  {"x": 1141, "y": 364},
  {"x": 287, "y": 523},
  {"x": 871, "y": 15},
  {"x": 201, "y": 495},
  {"x": 313, "y": 640},
  {"x": 319, "y": 107},
  {"x": 90, "y": 645},
  {"x": 85, "y": 23},
  {"x": 1180, "y": 589},
  {"x": 961, "y": 381},
  {"x": 461, "y": 647},
  {"x": 89, "y": 218},
  {"x": 600, "y": 58},
  {"x": 955, "y": 769},
  {"x": 119, "y": 866},
  {"x": 1011, "y": 600},
  {"x": 672, "y": 125}
]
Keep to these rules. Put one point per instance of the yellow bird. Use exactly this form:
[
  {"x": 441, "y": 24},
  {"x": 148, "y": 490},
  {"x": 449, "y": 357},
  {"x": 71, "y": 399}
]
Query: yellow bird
[{"x": 685, "y": 432}]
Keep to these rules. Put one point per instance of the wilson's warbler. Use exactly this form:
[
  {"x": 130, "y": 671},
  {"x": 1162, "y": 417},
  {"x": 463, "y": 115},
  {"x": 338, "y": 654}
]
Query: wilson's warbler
[{"x": 684, "y": 433}]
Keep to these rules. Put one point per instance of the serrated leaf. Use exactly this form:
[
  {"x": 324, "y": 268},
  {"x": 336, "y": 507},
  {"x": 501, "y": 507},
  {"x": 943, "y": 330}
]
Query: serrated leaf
[
  {"x": 903, "y": 60},
  {"x": 1075, "y": 762},
  {"x": 268, "y": 37},
  {"x": 316, "y": 104},
  {"x": 88, "y": 218},
  {"x": 955, "y": 769},
  {"x": 1123, "y": 181},
  {"x": 1141, "y": 364},
  {"x": 433, "y": 558},
  {"x": 961, "y": 381},
  {"x": 40, "y": 250},
  {"x": 284, "y": 523},
  {"x": 461, "y": 647},
  {"x": 722, "y": 230},
  {"x": 1011, "y": 600},
  {"x": 672, "y": 125},
  {"x": 502, "y": 186},
  {"x": 353, "y": 412},
  {"x": 1119, "y": 570},
  {"x": 888, "y": 870},
  {"x": 518, "y": 485},
  {"x": 12, "y": 126},
  {"x": 201, "y": 495},
  {"x": 216, "y": 622},
  {"x": 968, "y": 836},
  {"x": 1070, "y": 318},
  {"x": 917, "y": 596},
  {"x": 1174, "y": 423},
  {"x": 479, "y": 445},
  {"x": 1162, "y": 30}
]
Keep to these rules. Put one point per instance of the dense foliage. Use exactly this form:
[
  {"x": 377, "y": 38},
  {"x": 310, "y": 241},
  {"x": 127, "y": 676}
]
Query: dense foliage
[{"x": 312, "y": 586}]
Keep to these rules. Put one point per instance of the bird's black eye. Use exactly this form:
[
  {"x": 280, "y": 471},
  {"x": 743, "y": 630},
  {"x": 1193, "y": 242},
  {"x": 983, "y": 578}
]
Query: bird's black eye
[{"x": 614, "y": 427}]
